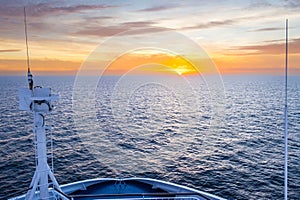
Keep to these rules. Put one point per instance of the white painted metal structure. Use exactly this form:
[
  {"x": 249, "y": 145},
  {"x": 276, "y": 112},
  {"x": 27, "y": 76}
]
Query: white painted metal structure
[
  {"x": 286, "y": 116},
  {"x": 127, "y": 189},
  {"x": 38, "y": 100}
]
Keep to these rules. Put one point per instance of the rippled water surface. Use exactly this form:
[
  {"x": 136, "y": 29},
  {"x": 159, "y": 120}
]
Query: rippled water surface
[{"x": 226, "y": 139}]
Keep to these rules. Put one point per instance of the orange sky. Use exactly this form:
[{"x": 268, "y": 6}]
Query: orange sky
[
  {"x": 160, "y": 63},
  {"x": 240, "y": 38},
  {"x": 170, "y": 64}
]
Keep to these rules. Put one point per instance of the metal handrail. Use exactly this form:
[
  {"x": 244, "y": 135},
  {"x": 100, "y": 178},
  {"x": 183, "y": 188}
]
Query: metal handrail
[{"x": 172, "y": 195}]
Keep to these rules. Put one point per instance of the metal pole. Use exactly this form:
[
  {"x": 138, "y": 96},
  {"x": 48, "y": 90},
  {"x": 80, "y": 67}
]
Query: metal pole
[
  {"x": 42, "y": 167},
  {"x": 26, "y": 39},
  {"x": 286, "y": 116}
]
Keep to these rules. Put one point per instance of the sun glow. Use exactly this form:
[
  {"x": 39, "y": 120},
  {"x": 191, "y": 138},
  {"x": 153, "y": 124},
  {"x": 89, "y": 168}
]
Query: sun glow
[
  {"x": 143, "y": 62},
  {"x": 182, "y": 69}
]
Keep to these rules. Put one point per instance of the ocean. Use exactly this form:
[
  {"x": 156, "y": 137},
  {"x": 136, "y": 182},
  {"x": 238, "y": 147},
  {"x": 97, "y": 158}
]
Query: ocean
[{"x": 224, "y": 136}]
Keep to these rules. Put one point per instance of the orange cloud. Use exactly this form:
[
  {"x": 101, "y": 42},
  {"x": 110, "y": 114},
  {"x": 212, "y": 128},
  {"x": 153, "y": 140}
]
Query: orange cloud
[
  {"x": 257, "y": 64},
  {"x": 39, "y": 67},
  {"x": 151, "y": 62}
]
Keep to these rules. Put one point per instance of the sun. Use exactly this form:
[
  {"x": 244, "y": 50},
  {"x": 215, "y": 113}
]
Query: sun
[
  {"x": 141, "y": 62},
  {"x": 184, "y": 69}
]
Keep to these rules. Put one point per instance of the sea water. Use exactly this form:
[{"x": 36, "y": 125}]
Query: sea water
[{"x": 226, "y": 138}]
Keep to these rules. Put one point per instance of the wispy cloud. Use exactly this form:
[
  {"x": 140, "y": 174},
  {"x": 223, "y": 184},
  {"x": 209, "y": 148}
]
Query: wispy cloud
[
  {"x": 46, "y": 9},
  {"x": 135, "y": 27},
  {"x": 275, "y": 4},
  {"x": 210, "y": 24},
  {"x": 102, "y": 31},
  {"x": 273, "y": 48},
  {"x": 292, "y": 3},
  {"x": 267, "y": 29},
  {"x": 9, "y": 50},
  {"x": 140, "y": 24},
  {"x": 40, "y": 66},
  {"x": 157, "y": 8}
]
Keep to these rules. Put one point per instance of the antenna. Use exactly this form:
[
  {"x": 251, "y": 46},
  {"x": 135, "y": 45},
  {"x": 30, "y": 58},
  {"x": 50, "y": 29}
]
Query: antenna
[
  {"x": 26, "y": 38},
  {"x": 286, "y": 116},
  {"x": 29, "y": 75},
  {"x": 39, "y": 102}
]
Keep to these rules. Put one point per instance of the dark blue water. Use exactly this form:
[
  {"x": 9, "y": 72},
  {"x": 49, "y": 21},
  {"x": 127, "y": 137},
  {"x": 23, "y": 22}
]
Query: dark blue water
[{"x": 227, "y": 141}]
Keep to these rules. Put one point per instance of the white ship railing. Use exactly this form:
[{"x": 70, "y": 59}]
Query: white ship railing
[
  {"x": 137, "y": 196},
  {"x": 160, "y": 198}
]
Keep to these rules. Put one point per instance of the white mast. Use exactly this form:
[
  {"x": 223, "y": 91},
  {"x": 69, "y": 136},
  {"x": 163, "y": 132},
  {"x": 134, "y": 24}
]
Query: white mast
[
  {"x": 38, "y": 100},
  {"x": 286, "y": 116}
]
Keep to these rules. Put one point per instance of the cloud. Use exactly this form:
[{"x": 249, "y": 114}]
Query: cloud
[
  {"x": 139, "y": 24},
  {"x": 292, "y": 3},
  {"x": 262, "y": 49},
  {"x": 267, "y": 29},
  {"x": 39, "y": 67},
  {"x": 9, "y": 50},
  {"x": 102, "y": 31},
  {"x": 273, "y": 48},
  {"x": 135, "y": 27},
  {"x": 274, "y": 4},
  {"x": 210, "y": 24},
  {"x": 260, "y": 4},
  {"x": 157, "y": 8},
  {"x": 114, "y": 30},
  {"x": 46, "y": 9}
]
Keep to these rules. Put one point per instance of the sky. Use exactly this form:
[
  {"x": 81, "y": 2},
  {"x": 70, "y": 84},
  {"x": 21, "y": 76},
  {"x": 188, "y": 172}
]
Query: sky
[{"x": 156, "y": 37}]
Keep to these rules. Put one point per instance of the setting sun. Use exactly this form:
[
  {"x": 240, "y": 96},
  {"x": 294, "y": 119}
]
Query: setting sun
[{"x": 161, "y": 63}]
